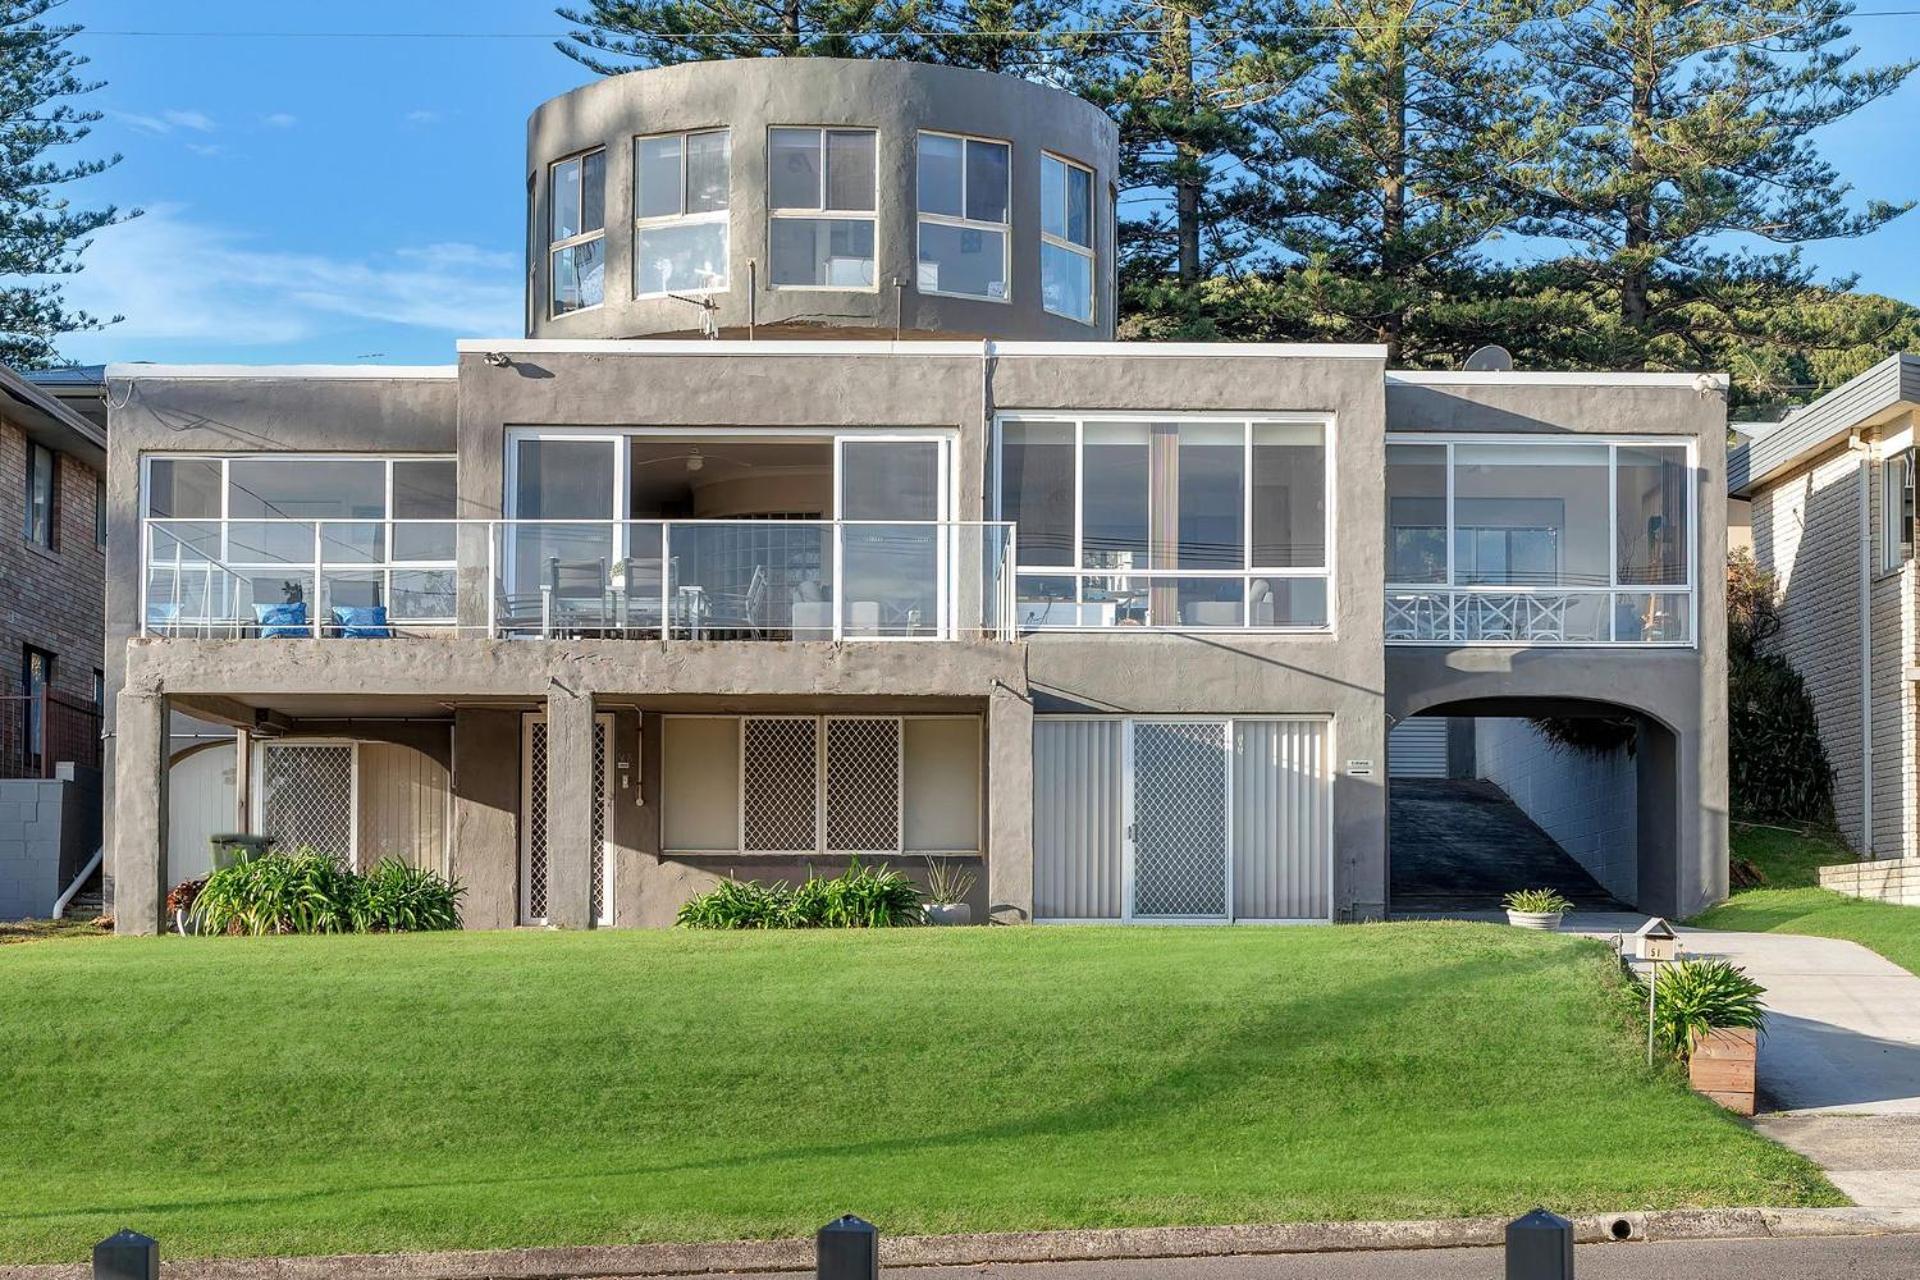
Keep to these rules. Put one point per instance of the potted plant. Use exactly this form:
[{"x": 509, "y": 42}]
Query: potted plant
[
  {"x": 948, "y": 885},
  {"x": 180, "y": 901},
  {"x": 1708, "y": 1013},
  {"x": 1535, "y": 908}
]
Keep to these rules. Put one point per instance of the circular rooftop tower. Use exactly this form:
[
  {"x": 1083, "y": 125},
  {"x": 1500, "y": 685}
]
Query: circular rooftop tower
[{"x": 820, "y": 197}]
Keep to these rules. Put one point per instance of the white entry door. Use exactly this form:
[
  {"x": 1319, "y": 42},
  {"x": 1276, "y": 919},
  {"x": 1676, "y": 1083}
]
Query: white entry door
[
  {"x": 533, "y": 820},
  {"x": 1192, "y": 819}
]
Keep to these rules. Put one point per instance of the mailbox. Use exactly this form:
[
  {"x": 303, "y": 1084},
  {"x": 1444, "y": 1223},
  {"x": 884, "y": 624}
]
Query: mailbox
[{"x": 1656, "y": 940}]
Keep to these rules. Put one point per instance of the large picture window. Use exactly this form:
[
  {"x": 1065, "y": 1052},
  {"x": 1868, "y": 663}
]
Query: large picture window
[
  {"x": 820, "y": 201},
  {"x": 680, "y": 196},
  {"x": 1167, "y": 523},
  {"x": 576, "y": 231},
  {"x": 1066, "y": 238},
  {"x": 964, "y": 198},
  {"x": 286, "y": 544},
  {"x": 1569, "y": 541}
]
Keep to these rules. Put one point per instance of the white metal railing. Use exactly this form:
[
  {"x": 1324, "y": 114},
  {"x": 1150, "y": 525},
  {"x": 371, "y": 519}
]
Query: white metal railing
[
  {"x": 1173, "y": 599},
  {"x": 1545, "y": 616},
  {"x": 766, "y": 579}
]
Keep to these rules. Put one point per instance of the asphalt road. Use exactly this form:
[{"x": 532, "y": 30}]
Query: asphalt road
[{"x": 1866, "y": 1258}]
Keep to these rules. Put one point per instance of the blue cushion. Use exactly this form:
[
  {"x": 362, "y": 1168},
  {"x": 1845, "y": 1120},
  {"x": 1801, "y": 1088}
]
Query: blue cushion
[
  {"x": 362, "y": 622},
  {"x": 282, "y": 619}
]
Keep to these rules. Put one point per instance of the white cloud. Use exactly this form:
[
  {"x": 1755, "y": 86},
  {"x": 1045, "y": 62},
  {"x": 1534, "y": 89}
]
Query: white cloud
[
  {"x": 423, "y": 116},
  {"x": 167, "y": 121},
  {"x": 177, "y": 279},
  {"x": 206, "y": 148},
  {"x": 280, "y": 120}
]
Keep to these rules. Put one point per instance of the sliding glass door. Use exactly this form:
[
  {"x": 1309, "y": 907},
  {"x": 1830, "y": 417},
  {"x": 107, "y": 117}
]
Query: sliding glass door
[{"x": 893, "y": 563}]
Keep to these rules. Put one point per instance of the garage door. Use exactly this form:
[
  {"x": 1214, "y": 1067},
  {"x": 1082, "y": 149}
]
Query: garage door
[
  {"x": 1417, "y": 748},
  {"x": 1212, "y": 819}
]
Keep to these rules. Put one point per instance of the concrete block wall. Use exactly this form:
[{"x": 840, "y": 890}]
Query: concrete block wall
[
  {"x": 48, "y": 830},
  {"x": 1586, "y": 802},
  {"x": 1895, "y": 880}
]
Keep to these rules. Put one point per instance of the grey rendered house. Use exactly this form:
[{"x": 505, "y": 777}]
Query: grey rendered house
[
  {"x": 817, "y": 515},
  {"x": 1825, "y": 499}
]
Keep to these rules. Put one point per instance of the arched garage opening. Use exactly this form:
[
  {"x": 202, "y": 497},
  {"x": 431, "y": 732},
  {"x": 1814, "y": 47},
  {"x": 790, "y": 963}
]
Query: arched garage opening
[{"x": 1494, "y": 794}]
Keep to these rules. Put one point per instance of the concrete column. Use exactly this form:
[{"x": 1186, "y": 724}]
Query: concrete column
[
  {"x": 485, "y": 857},
  {"x": 569, "y": 808},
  {"x": 140, "y": 812},
  {"x": 1009, "y": 807}
]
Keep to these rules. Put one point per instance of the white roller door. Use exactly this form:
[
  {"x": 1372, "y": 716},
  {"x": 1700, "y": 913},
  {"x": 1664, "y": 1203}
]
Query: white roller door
[
  {"x": 1417, "y": 748},
  {"x": 1222, "y": 818}
]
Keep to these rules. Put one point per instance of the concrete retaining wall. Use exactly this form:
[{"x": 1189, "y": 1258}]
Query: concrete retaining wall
[
  {"x": 49, "y": 827},
  {"x": 1895, "y": 880},
  {"x": 1586, "y": 802}
]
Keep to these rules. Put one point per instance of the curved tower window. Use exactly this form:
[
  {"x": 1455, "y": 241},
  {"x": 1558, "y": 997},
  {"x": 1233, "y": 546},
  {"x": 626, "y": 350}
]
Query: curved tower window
[
  {"x": 576, "y": 229},
  {"x": 820, "y": 201},
  {"x": 1066, "y": 238},
  {"x": 680, "y": 212},
  {"x": 964, "y": 186}
]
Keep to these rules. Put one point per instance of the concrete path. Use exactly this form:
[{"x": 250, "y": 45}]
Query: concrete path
[
  {"x": 1839, "y": 1070},
  {"x": 1868, "y": 1258}
]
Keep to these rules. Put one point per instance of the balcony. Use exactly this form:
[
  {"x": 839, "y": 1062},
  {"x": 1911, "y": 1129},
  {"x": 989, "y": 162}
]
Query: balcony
[{"x": 673, "y": 580}]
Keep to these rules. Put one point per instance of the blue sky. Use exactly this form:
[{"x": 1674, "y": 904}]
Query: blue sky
[{"x": 348, "y": 199}]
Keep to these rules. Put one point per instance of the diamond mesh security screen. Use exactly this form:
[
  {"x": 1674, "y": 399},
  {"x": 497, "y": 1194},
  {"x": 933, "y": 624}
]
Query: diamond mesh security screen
[
  {"x": 778, "y": 773},
  {"x": 307, "y": 796},
  {"x": 1180, "y": 819},
  {"x": 536, "y": 819},
  {"x": 602, "y": 899},
  {"x": 863, "y": 786}
]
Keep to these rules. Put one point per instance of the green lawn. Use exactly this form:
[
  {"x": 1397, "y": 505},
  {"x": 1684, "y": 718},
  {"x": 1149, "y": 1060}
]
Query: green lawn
[
  {"x": 1792, "y": 902},
  {"x": 286, "y": 1096}
]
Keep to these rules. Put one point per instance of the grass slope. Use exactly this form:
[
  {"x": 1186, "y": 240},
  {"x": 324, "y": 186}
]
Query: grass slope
[
  {"x": 1792, "y": 902},
  {"x": 286, "y": 1096}
]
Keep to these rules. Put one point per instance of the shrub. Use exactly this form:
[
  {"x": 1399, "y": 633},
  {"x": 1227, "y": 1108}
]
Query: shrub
[
  {"x": 858, "y": 898},
  {"x": 1537, "y": 901},
  {"x": 1778, "y": 767},
  {"x": 392, "y": 897},
  {"x": 948, "y": 882},
  {"x": 1692, "y": 997},
  {"x": 181, "y": 896},
  {"x": 310, "y": 892}
]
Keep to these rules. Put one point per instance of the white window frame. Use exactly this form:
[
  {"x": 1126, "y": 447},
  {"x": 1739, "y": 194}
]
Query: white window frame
[
  {"x": 819, "y": 849},
  {"x": 1003, "y": 229},
  {"x": 1896, "y": 510},
  {"x": 1246, "y": 573},
  {"x": 385, "y": 567},
  {"x": 723, "y": 215},
  {"x": 1086, "y": 251},
  {"x": 1614, "y": 588},
  {"x": 776, "y": 213},
  {"x": 585, "y": 237}
]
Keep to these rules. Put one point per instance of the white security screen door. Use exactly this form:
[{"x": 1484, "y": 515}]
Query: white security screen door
[
  {"x": 533, "y": 821},
  {"x": 1182, "y": 852},
  {"x": 892, "y": 570},
  {"x": 305, "y": 798}
]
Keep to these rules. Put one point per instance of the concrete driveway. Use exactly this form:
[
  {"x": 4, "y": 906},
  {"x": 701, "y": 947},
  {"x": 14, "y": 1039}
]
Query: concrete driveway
[{"x": 1839, "y": 1070}]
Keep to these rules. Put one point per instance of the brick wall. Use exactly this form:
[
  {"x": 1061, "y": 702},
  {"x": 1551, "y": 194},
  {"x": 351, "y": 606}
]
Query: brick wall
[
  {"x": 52, "y": 600},
  {"x": 1806, "y": 530}
]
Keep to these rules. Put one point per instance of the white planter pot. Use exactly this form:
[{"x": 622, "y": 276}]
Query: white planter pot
[
  {"x": 1534, "y": 919},
  {"x": 949, "y": 913}
]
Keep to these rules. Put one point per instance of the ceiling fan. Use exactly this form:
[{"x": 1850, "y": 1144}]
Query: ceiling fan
[{"x": 694, "y": 459}]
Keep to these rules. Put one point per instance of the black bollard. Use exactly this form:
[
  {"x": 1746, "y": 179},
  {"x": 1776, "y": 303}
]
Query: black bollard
[
  {"x": 1540, "y": 1247},
  {"x": 848, "y": 1248},
  {"x": 127, "y": 1255}
]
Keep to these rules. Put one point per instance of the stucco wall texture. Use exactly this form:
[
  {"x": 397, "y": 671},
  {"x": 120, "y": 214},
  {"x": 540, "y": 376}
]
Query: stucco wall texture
[{"x": 480, "y": 686}]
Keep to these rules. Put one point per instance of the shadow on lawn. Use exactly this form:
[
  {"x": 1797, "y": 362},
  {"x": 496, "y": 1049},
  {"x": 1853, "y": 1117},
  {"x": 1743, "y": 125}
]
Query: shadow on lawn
[{"x": 1216, "y": 1071}]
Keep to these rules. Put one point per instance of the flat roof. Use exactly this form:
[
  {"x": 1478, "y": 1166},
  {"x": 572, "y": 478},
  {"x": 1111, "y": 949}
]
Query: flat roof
[
  {"x": 1551, "y": 378},
  {"x": 132, "y": 371},
  {"x": 905, "y": 347}
]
